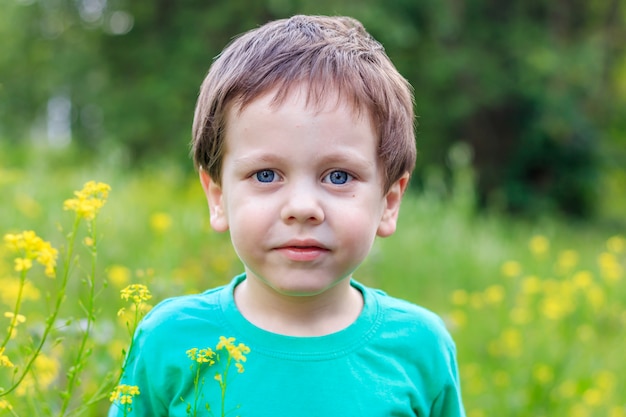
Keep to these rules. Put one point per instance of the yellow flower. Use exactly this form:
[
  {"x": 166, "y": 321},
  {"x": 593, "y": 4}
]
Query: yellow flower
[
  {"x": 596, "y": 297},
  {"x": 512, "y": 341},
  {"x": 160, "y": 222},
  {"x": 582, "y": 280},
  {"x": 567, "y": 389},
  {"x": 15, "y": 243},
  {"x": 205, "y": 355},
  {"x": 124, "y": 394},
  {"x": 616, "y": 244},
  {"x": 578, "y": 410},
  {"x": 47, "y": 258},
  {"x": 31, "y": 247},
  {"x": 459, "y": 297},
  {"x": 236, "y": 352},
  {"x": 11, "y": 288},
  {"x": 4, "y": 360},
  {"x": 225, "y": 342},
  {"x": 136, "y": 292},
  {"x": 47, "y": 369},
  {"x": 128, "y": 315},
  {"x": 115, "y": 347},
  {"x": 539, "y": 245},
  {"x": 239, "y": 352},
  {"x": 201, "y": 355},
  {"x": 192, "y": 353},
  {"x": 555, "y": 306},
  {"x": 23, "y": 264},
  {"x": 458, "y": 317},
  {"x": 531, "y": 285},
  {"x": 508, "y": 343},
  {"x": 605, "y": 380},
  {"x": 566, "y": 261},
  {"x": 543, "y": 373},
  {"x": 88, "y": 201},
  {"x": 5, "y": 405},
  {"x": 520, "y": 315},
  {"x": 610, "y": 268},
  {"x": 511, "y": 269},
  {"x": 45, "y": 372},
  {"x": 118, "y": 275},
  {"x": 593, "y": 397},
  {"x": 19, "y": 319},
  {"x": 494, "y": 294}
]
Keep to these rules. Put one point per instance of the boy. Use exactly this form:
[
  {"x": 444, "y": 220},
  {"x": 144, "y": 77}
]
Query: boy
[{"x": 303, "y": 137}]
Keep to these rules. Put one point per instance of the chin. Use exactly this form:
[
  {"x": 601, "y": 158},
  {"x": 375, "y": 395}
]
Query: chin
[{"x": 303, "y": 289}]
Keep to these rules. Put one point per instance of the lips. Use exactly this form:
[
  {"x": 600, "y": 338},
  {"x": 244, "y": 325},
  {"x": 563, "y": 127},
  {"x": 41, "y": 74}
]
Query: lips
[{"x": 302, "y": 250}]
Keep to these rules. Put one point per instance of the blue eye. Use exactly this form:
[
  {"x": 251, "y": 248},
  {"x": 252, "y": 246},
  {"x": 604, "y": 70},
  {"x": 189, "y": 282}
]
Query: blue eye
[
  {"x": 266, "y": 175},
  {"x": 338, "y": 177}
]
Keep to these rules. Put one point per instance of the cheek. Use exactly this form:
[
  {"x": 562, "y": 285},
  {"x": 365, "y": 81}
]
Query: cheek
[
  {"x": 357, "y": 227},
  {"x": 248, "y": 221},
  {"x": 246, "y": 239}
]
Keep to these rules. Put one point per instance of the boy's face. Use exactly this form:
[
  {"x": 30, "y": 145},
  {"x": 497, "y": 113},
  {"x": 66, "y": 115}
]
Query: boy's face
[{"x": 301, "y": 193}]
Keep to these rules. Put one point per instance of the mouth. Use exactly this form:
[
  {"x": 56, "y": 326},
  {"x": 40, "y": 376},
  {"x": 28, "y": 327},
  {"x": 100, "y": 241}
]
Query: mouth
[{"x": 303, "y": 251}]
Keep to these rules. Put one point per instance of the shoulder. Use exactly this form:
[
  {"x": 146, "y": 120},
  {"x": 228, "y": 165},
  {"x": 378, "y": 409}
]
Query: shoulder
[
  {"x": 411, "y": 323},
  {"x": 414, "y": 341},
  {"x": 175, "y": 314}
]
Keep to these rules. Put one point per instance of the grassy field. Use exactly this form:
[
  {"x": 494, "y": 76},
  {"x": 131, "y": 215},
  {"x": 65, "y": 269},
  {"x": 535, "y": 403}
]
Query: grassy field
[{"x": 538, "y": 309}]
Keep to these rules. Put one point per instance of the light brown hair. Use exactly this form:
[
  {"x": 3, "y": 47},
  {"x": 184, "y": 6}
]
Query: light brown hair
[{"x": 330, "y": 55}]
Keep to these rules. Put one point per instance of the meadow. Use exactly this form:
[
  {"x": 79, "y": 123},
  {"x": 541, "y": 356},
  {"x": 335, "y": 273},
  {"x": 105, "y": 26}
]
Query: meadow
[{"x": 537, "y": 308}]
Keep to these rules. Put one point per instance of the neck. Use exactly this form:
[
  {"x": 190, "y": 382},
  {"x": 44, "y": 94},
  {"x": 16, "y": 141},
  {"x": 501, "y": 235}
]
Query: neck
[{"x": 304, "y": 316}]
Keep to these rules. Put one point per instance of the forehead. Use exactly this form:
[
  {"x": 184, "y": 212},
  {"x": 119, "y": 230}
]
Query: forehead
[
  {"x": 277, "y": 126},
  {"x": 296, "y": 106},
  {"x": 295, "y": 118},
  {"x": 311, "y": 98}
]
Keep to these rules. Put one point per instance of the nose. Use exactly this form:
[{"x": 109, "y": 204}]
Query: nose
[{"x": 302, "y": 205}]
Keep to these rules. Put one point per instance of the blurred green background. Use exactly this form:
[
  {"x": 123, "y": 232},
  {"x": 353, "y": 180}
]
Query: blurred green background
[
  {"x": 513, "y": 230},
  {"x": 536, "y": 88}
]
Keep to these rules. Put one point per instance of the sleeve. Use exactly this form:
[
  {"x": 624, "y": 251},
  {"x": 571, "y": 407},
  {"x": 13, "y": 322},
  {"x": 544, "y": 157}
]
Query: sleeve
[{"x": 449, "y": 402}]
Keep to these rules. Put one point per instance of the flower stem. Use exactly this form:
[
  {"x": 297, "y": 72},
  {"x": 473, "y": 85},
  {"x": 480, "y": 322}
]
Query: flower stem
[
  {"x": 16, "y": 311},
  {"x": 54, "y": 314},
  {"x": 223, "y": 386},
  {"x": 90, "y": 311},
  {"x": 196, "y": 383}
]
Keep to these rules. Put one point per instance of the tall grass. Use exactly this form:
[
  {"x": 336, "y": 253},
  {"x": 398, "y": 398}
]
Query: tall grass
[{"x": 537, "y": 308}]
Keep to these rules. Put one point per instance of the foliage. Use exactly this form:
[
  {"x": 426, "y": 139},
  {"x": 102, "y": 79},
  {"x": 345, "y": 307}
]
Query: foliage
[
  {"x": 550, "y": 328},
  {"x": 35, "y": 355},
  {"x": 222, "y": 358},
  {"x": 31, "y": 361},
  {"x": 536, "y": 88},
  {"x": 536, "y": 308}
]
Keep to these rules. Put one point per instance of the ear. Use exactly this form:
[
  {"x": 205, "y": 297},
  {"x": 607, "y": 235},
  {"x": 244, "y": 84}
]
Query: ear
[
  {"x": 393, "y": 198},
  {"x": 215, "y": 198}
]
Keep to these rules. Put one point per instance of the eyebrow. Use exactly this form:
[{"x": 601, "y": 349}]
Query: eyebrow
[
  {"x": 343, "y": 158},
  {"x": 330, "y": 159},
  {"x": 268, "y": 158}
]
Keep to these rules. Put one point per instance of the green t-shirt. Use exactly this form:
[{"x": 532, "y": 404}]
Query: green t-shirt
[{"x": 396, "y": 359}]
